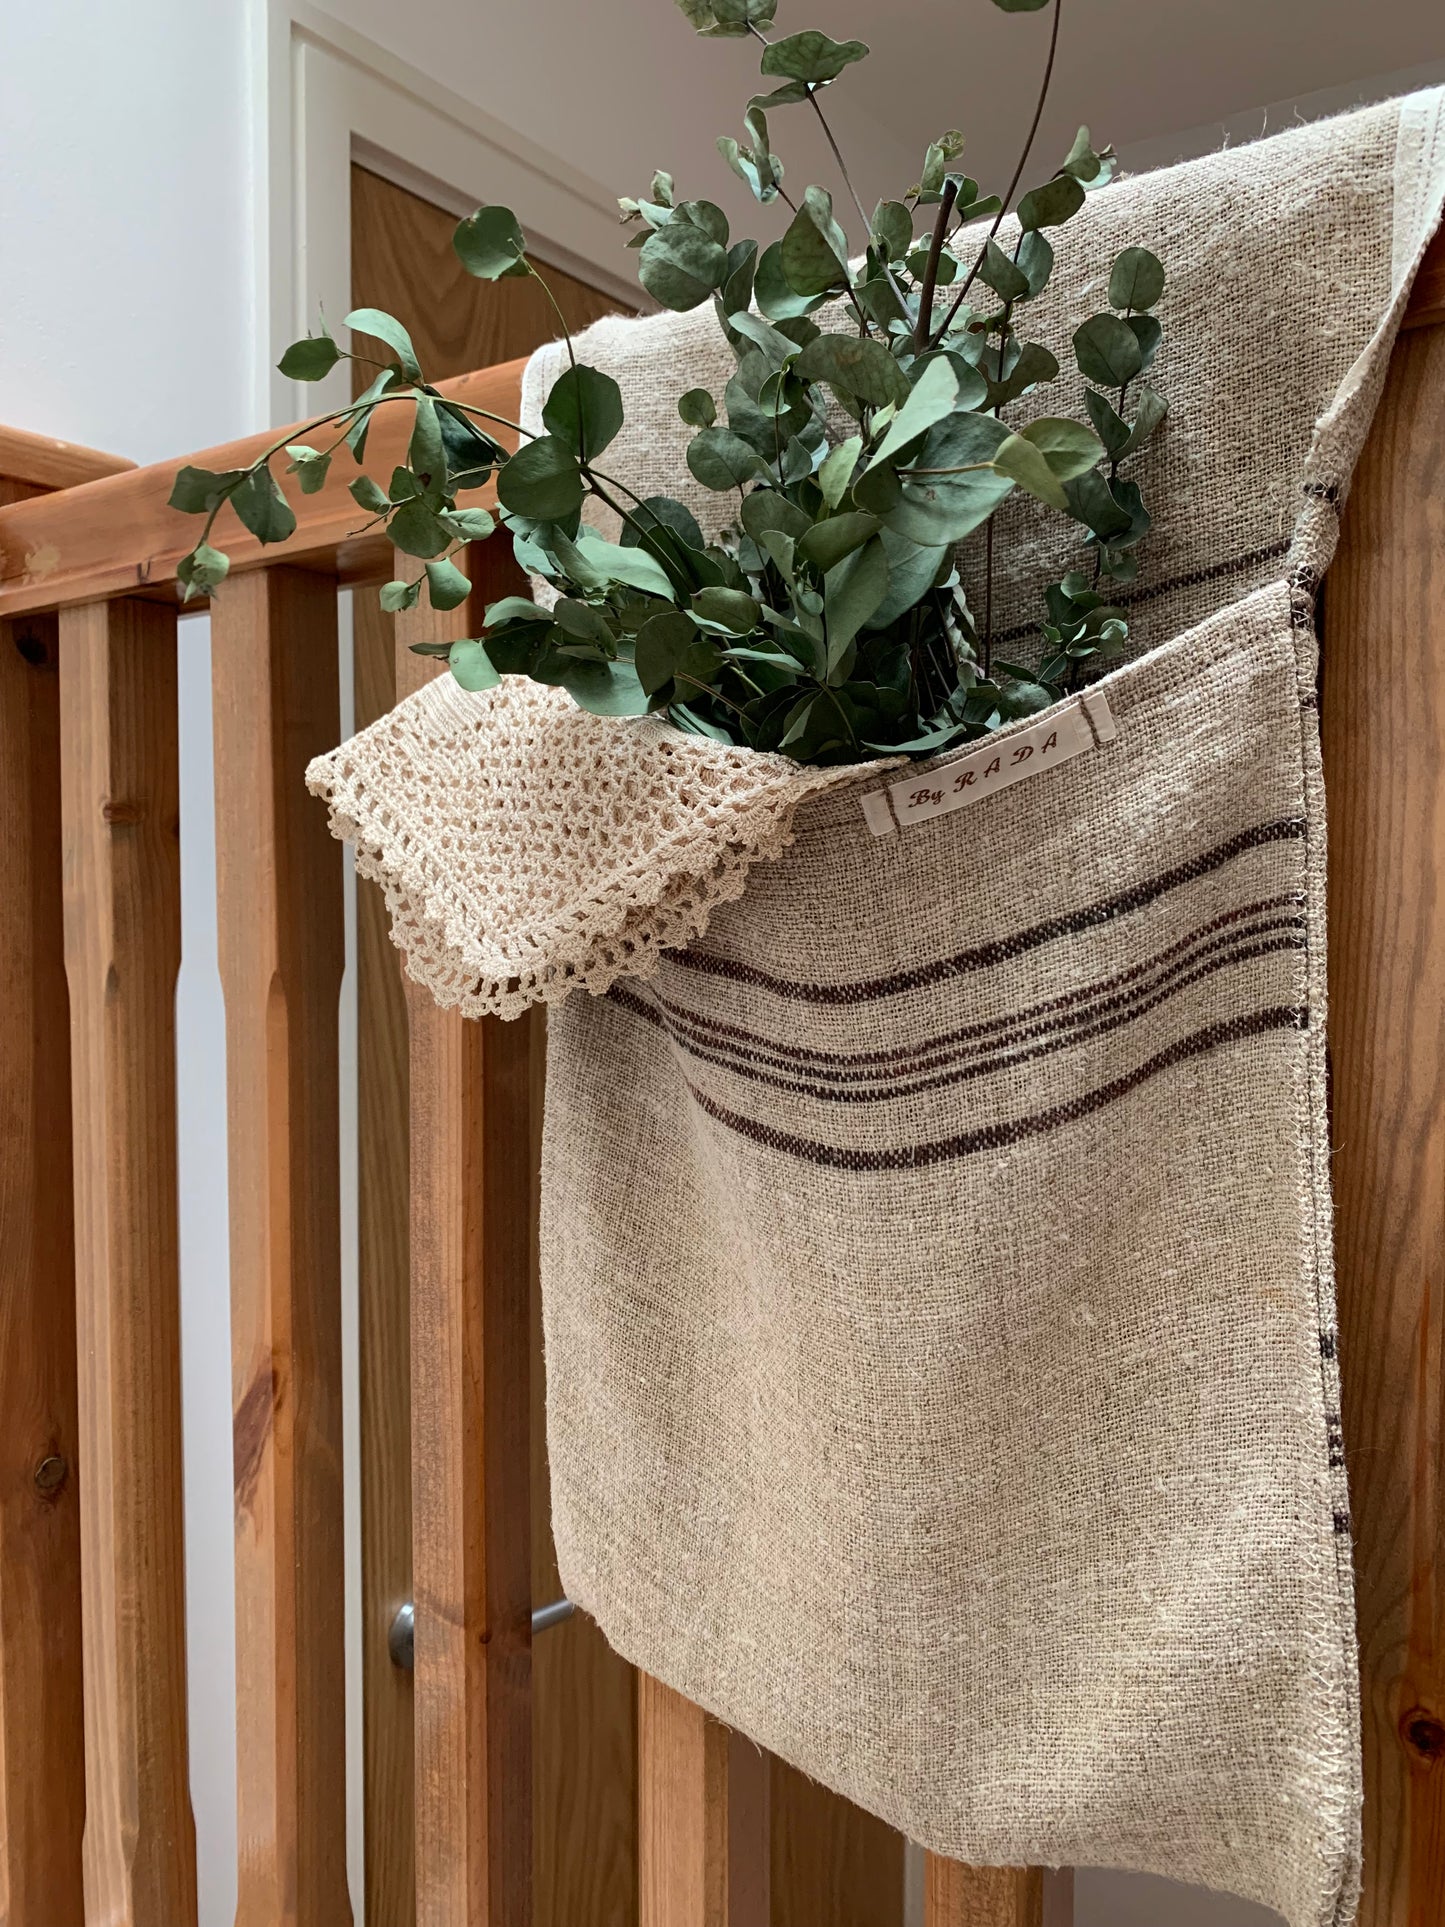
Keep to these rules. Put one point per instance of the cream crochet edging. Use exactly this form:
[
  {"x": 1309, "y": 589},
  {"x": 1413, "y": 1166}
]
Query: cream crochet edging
[{"x": 527, "y": 850}]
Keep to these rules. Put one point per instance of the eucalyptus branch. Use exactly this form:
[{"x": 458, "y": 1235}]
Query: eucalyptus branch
[
  {"x": 1018, "y": 175},
  {"x": 930, "y": 272}
]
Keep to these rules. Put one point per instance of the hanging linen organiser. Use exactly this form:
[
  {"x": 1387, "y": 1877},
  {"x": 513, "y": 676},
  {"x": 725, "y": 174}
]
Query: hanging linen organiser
[{"x": 938, "y": 1293}]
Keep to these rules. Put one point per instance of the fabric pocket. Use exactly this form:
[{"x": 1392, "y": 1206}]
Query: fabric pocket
[{"x": 939, "y": 1308}]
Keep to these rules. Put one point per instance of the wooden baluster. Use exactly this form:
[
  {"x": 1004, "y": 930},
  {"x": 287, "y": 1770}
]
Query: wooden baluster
[
  {"x": 471, "y": 1558},
  {"x": 122, "y": 952},
  {"x": 278, "y": 872},
  {"x": 702, "y": 1817},
  {"x": 383, "y": 1342},
  {"x": 42, "y": 1750},
  {"x": 959, "y": 1896},
  {"x": 1383, "y": 724}
]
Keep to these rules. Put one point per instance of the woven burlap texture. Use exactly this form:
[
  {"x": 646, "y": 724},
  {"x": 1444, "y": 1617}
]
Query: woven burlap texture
[{"x": 937, "y": 1274}]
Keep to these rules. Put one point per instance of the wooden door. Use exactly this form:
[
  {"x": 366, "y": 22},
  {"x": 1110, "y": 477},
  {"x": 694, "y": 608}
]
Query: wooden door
[{"x": 832, "y": 1866}]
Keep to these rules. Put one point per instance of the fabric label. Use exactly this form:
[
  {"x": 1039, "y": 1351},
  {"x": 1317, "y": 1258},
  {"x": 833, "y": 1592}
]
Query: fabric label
[{"x": 1083, "y": 722}]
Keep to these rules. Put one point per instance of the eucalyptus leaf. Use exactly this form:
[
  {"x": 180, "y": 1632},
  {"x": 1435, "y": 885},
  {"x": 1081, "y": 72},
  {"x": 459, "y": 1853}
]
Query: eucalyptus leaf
[
  {"x": 309, "y": 360},
  {"x": 542, "y": 481},
  {"x": 722, "y": 460},
  {"x": 471, "y": 665},
  {"x": 202, "y": 571},
  {"x": 814, "y": 251},
  {"x": 774, "y": 293},
  {"x": 606, "y": 689},
  {"x": 1052, "y": 204},
  {"x": 385, "y": 327},
  {"x": 1150, "y": 408},
  {"x": 1147, "y": 332},
  {"x": 730, "y": 609},
  {"x": 680, "y": 265},
  {"x": 697, "y": 408},
  {"x": 811, "y": 57},
  {"x": 855, "y": 365},
  {"x": 1136, "y": 280},
  {"x": 367, "y": 495},
  {"x": 309, "y": 466},
  {"x": 426, "y": 457},
  {"x": 583, "y": 410},
  {"x": 262, "y": 507},
  {"x": 490, "y": 243},
  {"x": 826, "y": 543},
  {"x": 837, "y": 468},
  {"x": 400, "y": 595},
  {"x": 1027, "y": 465},
  {"x": 416, "y": 530},
  {"x": 447, "y": 587},
  {"x": 1113, "y": 430},
  {"x": 196, "y": 491},
  {"x": 933, "y": 396},
  {"x": 892, "y": 229},
  {"x": 1107, "y": 351},
  {"x": 852, "y": 592},
  {"x": 1007, "y": 280}
]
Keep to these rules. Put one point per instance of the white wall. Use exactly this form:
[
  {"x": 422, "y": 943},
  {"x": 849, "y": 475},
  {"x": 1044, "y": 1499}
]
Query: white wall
[
  {"x": 127, "y": 322},
  {"x": 130, "y": 319}
]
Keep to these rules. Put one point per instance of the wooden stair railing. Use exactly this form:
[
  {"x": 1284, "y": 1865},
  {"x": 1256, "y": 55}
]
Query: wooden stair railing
[{"x": 90, "y": 1514}]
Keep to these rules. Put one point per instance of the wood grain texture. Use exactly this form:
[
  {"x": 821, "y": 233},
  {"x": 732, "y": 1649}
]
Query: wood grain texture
[
  {"x": 403, "y": 261},
  {"x": 682, "y": 1804},
  {"x": 278, "y": 874},
  {"x": 833, "y": 1864},
  {"x": 1383, "y": 717},
  {"x": 1427, "y": 296},
  {"x": 45, "y": 463},
  {"x": 703, "y": 1817},
  {"x": 42, "y": 1745},
  {"x": 120, "y": 817},
  {"x": 470, "y": 1235},
  {"x": 583, "y": 1719},
  {"x": 958, "y": 1896},
  {"x": 584, "y": 1704},
  {"x": 118, "y": 537},
  {"x": 384, "y": 1343}
]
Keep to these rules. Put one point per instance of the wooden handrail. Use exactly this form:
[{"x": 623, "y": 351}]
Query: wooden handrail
[
  {"x": 41, "y": 462},
  {"x": 116, "y": 536}
]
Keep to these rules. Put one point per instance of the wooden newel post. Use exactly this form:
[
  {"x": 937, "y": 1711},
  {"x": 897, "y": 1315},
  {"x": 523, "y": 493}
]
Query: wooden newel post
[
  {"x": 471, "y": 1232},
  {"x": 42, "y": 1747},
  {"x": 42, "y": 1756}
]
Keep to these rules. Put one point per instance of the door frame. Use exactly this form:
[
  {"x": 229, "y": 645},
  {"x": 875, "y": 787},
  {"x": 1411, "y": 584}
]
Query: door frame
[{"x": 331, "y": 97}]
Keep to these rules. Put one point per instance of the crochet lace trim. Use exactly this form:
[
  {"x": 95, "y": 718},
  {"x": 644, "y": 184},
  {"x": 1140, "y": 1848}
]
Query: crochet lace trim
[{"x": 527, "y": 849}]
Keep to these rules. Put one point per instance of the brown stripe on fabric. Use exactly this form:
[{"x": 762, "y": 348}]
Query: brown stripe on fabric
[
  {"x": 994, "y": 1137},
  {"x": 724, "y": 1035},
  {"x": 965, "y": 1068},
  {"x": 985, "y": 956},
  {"x": 1194, "y": 579}
]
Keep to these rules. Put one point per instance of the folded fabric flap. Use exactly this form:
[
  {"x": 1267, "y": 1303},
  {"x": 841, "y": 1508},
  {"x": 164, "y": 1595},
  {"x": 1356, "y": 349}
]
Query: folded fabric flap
[{"x": 528, "y": 849}]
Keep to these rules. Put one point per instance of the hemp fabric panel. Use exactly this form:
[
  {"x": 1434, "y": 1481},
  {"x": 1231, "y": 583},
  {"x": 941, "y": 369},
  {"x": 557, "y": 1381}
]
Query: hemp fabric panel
[{"x": 937, "y": 1277}]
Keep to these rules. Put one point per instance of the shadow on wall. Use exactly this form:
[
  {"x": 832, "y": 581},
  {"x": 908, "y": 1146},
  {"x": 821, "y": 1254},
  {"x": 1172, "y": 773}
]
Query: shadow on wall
[{"x": 1144, "y": 1900}]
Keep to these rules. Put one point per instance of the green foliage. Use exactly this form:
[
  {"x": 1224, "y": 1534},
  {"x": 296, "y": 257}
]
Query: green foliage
[{"x": 856, "y": 457}]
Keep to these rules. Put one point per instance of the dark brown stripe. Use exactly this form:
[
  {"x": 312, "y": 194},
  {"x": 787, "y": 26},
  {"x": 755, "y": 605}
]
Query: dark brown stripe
[
  {"x": 1194, "y": 579},
  {"x": 985, "y": 956},
  {"x": 964, "y": 1070},
  {"x": 726, "y": 1036},
  {"x": 994, "y": 1137}
]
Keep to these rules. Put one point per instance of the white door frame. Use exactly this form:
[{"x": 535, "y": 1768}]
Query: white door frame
[{"x": 332, "y": 96}]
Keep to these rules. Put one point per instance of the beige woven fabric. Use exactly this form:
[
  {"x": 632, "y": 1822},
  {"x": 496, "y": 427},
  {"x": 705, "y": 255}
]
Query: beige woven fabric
[{"x": 938, "y": 1289}]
